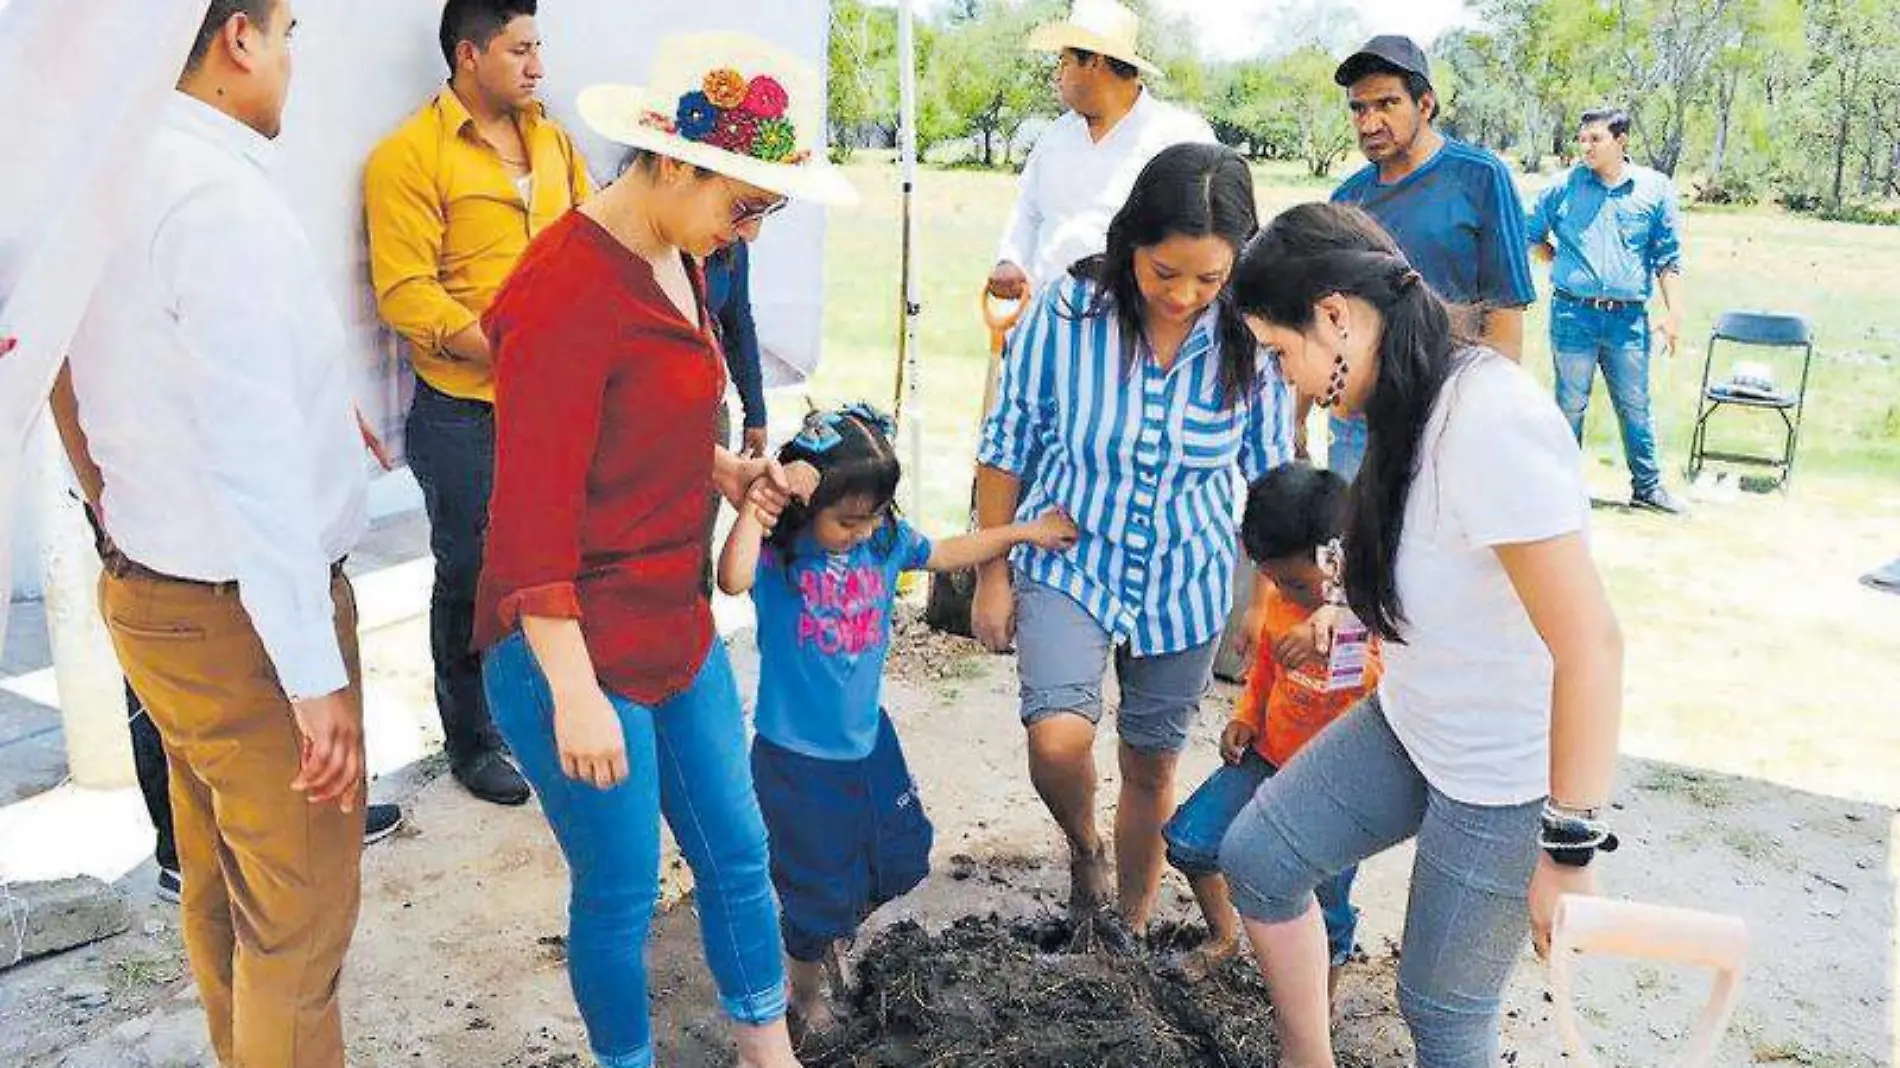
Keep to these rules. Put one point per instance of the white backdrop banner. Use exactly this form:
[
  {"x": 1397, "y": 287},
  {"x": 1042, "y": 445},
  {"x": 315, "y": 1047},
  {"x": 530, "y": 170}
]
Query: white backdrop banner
[
  {"x": 365, "y": 65},
  {"x": 82, "y": 84}
]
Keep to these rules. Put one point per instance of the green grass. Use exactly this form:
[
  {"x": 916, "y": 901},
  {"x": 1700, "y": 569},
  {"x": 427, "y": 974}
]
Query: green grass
[
  {"x": 1749, "y": 646},
  {"x": 1762, "y": 259}
]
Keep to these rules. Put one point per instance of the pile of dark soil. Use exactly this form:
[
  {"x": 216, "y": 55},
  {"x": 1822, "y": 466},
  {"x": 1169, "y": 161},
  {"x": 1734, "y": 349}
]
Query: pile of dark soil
[
  {"x": 920, "y": 654},
  {"x": 987, "y": 993}
]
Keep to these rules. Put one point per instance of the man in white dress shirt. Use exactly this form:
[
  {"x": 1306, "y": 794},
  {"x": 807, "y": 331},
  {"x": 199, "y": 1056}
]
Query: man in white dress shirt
[
  {"x": 1084, "y": 165},
  {"x": 214, "y": 398}
]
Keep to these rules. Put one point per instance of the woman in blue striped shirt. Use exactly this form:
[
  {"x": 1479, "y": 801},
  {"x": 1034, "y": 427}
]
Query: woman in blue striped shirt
[{"x": 1131, "y": 394}]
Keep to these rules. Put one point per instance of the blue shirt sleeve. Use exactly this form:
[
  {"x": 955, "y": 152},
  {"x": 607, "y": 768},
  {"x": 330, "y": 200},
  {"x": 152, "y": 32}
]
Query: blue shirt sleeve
[
  {"x": 1543, "y": 217},
  {"x": 1269, "y": 438},
  {"x": 1665, "y": 233},
  {"x": 913, "y": 548},
  {"x": 739, "y": 336},
  {"x": 1504, "y": 255},
  {"x": 1010, "y": 432}
]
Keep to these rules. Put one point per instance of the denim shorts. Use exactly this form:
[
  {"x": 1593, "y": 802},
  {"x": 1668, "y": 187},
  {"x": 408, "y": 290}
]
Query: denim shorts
[
  {"x": 1062, "y": 654},
  {"x": 847, "y": 836},
  {"x": 1195, "y": 833}
]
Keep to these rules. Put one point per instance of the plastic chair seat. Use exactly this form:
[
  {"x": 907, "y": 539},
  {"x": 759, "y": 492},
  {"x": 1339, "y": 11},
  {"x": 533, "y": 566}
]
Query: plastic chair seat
[{"x": 1751, "y": 399}]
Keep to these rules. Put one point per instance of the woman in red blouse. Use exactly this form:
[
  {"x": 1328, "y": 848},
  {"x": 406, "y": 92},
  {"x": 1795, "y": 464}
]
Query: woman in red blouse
[{"x": 601, "y": 663}]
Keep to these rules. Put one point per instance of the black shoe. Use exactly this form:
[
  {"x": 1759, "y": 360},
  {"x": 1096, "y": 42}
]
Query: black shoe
[
  {"x": 489, "y": 776},
  {"x": 380, "y": 822},
  {"x": 1659, "y": 500},
  {"x": 170, "y": 886}
]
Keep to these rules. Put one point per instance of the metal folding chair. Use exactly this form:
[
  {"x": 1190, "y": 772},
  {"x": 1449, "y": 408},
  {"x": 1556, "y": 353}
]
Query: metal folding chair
[{"x": 1758, "y": 330}]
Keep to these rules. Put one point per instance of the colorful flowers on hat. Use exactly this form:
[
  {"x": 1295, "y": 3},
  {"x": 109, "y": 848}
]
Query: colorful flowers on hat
[
  {"x": 766, "y": 98},
  {"x": 736, "y": 132},
  {"x": 697, "y": 117},
  {"x": 777, "y": 141},
  {"x": 726, "y": 88},
  {"x": 743, "y": 116}
]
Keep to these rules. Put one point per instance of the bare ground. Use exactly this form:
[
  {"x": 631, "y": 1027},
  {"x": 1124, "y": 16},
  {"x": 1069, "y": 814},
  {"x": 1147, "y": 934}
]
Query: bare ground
[{"x": 1761, "y": 782}]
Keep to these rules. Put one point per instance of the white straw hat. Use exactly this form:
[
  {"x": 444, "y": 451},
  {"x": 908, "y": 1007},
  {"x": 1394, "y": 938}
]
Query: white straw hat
[
  {"x": 732, "y": 104},
  {"x": 1100, "y": 26}
]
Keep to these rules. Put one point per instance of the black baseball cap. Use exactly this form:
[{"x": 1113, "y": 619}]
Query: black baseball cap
[{"x": 1387, "y": 52}]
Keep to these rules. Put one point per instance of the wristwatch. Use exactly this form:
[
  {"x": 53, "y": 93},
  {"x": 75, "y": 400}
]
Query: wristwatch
[{"x": 1573, "y": 836}]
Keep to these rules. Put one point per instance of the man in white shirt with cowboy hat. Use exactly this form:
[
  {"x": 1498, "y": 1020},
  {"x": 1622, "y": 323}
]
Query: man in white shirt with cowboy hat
[{"x": 1083, "y": 166}]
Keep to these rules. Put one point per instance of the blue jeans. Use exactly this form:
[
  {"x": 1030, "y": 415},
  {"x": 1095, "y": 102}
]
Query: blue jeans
[
  {"x": 1583, "y": 338},
  {"x": 688, "y": 761},
  {"x": 451, "y": 446},
  {"x": 1194, "y": 836},
  {"x": 1354, "y": 793},
  {"x": 1346, "y": 447}
]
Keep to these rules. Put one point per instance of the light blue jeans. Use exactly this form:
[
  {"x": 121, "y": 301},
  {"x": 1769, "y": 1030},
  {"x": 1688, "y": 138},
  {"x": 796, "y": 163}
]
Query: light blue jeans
[
  {"x": 688, "y": 761},
  {"x": 1353, "y": 793},
  {"x": 1583, "y": 339}
]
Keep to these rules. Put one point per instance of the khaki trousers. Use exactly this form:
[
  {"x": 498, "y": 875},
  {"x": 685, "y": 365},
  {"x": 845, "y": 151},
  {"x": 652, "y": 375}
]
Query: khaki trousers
[{"x": 271, "y": 882}]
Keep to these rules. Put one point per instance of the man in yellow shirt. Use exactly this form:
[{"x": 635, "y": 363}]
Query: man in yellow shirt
[{"x": 453, "y": 197}]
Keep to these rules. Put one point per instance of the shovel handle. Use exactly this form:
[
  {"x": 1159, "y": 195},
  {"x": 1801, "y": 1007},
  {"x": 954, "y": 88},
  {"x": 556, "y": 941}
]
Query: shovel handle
[
  {"x": 1000, "y": 316},
  {"x": 1647, "y": 932}
]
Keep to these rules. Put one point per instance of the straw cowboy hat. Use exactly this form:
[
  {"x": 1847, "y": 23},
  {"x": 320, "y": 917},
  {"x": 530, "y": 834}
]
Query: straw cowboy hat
[
  {"x": 732, "y": 104},
  {"x": 1100, "y": 26}
]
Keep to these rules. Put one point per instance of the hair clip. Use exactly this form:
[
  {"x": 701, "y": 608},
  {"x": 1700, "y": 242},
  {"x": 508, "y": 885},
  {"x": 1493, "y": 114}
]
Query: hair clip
[
  {"x": 884, "y": 423},
  {"x": 819, "y": 434}
]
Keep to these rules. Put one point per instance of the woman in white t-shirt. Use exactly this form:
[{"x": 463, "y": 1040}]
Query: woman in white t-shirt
[{"x": 1492, "y": 739}]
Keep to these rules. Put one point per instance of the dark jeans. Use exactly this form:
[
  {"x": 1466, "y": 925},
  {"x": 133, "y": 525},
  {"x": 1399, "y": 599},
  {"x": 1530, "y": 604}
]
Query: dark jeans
[
  {"x": 148, "y": 760},
  {"x": 451, "y": 447}
]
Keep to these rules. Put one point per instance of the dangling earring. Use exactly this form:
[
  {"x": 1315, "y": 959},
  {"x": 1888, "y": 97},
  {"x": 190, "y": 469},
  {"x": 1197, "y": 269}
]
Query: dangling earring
[{"x": 1337, "y": 387}]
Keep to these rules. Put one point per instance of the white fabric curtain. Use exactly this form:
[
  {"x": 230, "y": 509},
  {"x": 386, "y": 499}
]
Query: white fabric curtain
[{"x": 85, "y": 82}]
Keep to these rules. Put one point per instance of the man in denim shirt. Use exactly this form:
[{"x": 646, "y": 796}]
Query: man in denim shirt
[{"x": 1607, "y": 227}]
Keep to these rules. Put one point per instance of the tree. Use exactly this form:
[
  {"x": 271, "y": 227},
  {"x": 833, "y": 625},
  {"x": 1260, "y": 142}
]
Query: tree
[
  {"x": 1312, "y": 106},
  {"x": 1245, "y": 115},
  {"x": 1477, "y": 92},
  {"x": 863, "y": 58},
  {"x": 984, "y": 83}
]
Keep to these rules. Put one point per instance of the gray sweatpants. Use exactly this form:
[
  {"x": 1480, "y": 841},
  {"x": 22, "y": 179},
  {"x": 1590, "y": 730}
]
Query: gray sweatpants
[{"x": 1354, "y": 792}]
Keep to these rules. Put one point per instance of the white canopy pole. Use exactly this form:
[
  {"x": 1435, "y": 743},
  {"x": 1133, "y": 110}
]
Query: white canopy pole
[{"x": 909, "y": 402}]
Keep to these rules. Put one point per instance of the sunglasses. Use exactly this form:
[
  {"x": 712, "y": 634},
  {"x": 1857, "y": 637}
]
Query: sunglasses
[{"x": 743, "y": 212}]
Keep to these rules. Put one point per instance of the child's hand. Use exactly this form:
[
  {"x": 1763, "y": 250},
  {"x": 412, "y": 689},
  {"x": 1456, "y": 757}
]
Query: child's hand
[
  {"x": 1235, "y": 740},
  {"x": 764, "y": 502},
  {"x": 1310, "y": 643},
  {"x": 803, "y": 478},
  {"x": 1054, "y": 530}
]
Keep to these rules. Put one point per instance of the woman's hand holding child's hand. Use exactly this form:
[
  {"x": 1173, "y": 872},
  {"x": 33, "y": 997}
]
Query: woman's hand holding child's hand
[
  {"x": 768, "y": 497},
  {"x": 1054, "y": 530},
  {"x": 1235, "y": 740}
]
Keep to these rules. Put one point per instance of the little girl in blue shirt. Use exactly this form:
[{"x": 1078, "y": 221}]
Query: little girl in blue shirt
[{"x": 847, "y": 830}]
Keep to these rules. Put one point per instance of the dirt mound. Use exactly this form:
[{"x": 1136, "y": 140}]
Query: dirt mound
[
  {"x": 920, "y": 654},
  {"x": 993, "y": 994}
]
